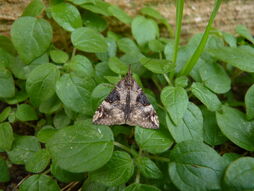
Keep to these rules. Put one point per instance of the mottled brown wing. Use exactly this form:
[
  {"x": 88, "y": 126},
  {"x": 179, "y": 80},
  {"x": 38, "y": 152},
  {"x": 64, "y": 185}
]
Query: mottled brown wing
[{"x": 142, "y": 112}]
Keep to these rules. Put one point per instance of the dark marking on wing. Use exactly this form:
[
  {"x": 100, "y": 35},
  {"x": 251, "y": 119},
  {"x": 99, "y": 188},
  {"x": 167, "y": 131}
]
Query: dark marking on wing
[
  {"x": 141, "y": 98},
  {"x": 113, "y": 96}
]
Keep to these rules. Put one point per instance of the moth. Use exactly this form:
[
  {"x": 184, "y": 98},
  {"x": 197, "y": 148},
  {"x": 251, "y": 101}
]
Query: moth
[{"x": 127, "y": 104}]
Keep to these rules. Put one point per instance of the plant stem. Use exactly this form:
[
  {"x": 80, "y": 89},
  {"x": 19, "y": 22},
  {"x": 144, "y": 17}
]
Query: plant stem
[
  {"x": 179, "y": 16},
  {"x": 133, "y": 152},
  {"x": 194, "y": 58},
  {"x": 163, "y": 159}
]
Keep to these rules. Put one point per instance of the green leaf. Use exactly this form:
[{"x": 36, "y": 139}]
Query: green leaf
[
  {"x": 45, "y": 133},
  {"x": 5, "y": 113},
  {"x": 148, "y": 168},
  {"x": 117, "y": 171},
  {"x": 31, "y": 37},
  {"x": 59, "y": 56},
  {"x": 208, "y": 98},
  {"x": 26, "y": 113},
  {"x": 175, "y": 100},
  {"x": 230, "y": 157},
  {"x": 34, "y": 8},
  {"x": 127, "y": 45},
  {"x": 117, "y": 66},
  {"x": 39, "y": 182},
  {"x": 41, "y": 83},
  {"x": 181, "y": 81},
  {"x": 144, "y": 29},
  {"x": 99, "y": 93},
  {"x": 230, "y": 39},
  {"x": 95, "y": 21},
  {"x": 67, "y": 16},
  {"x": 239, "y": 57},
  {"x": 7, "y": 87},
  {"x": 81, "y": 66},
  {"x": 63, "y": 175},
  {"x": 88, "y": 40},
  {"x": 239, "y": 175},
  {"x": 50, "y": 105},
  {"x": 156, "y": 46},
  {"x": 61, "y": 120},
  {"x": 240, "y": 134},
  {"x": 212, "y": 133},
  {"x": 20, "y": 96},
  {"x": 6, "y": 45},
  {"x": 141, "y": 187},
  {"x": 6, "y": 136},
  {"x": 4, "y": 175},
  {"x": 249, "y": 102},
  {"x": 244, "y": 32},
  {"x": 119, "y": 14},
  {"x": 190, "y": 127},
  {"x": 196, "y": 166},
  {"x": 158, "y": 66},
  {"x": 153, "y": 141},
  {"x": 81, "y": 148},
  {"x": 215, "y": 77},
  {"x": 75, "y": 93},
  {"x": 38, "y": 162},
  {"x": 97, "y": 6},
  {"x": 23, "y": 149}
]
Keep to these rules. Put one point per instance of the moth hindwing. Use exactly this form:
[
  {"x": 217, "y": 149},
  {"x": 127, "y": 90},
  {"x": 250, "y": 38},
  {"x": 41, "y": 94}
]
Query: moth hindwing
[{"x": 127, "y": 104}]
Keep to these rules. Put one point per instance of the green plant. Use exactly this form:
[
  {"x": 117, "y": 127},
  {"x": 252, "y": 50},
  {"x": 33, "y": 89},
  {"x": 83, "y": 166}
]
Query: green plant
[{"x": 202, "y": 91}]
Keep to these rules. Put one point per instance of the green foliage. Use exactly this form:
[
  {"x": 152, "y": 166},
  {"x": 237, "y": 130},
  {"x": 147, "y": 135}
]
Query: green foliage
[{"x": 202, "y": 92}]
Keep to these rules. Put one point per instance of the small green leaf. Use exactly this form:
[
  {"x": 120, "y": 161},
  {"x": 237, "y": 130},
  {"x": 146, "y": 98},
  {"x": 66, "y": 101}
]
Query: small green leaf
[
  {"x": 81, "y": 66},
  {"x": 119, "y": 14},
  {"x": 99, "y": 93},
  {"x": 50, "y": 105},
  {"x": 20, "y": 96},
  {"x": 190, "y": 127},
  {"x": 215, "y": 78},
  {"x": 67, "y": 16},
  {"x": 7, "y": 87},
  {"x": 208, "y": 98},
  {"x": 75, "y": 93},
  {"x": 6, "y": 136},
  {"x": 157, "y": 66},
  {"x": 45, "y": 133},
  {"x": 239, "y": 57},
  {"x": 230, "y": 39},
  {"x": 63, "y": 175},
  {"x": 38, "y": 162},
  {"x": 249, "y": 102},
  {"x": 141, "y": 187},
  {"x": 240, "y": 134},
  {"x": 175, "y": 100},
  {"x": 127, "y": 45},
  {"x": 144, "y": 29},
  {"x": 97, "y": 6},
  {"x": 148, "y": 168},
  {"x": 31, "y": 37},
  {"x": 58, "y": 56},
  {"x": 34, "y": 8},
  {"x": 117, "y": 66},
  {"x": 81, "y": 148},
  {"x": 26, "y": 113},
  {"x": 117, "y": 171},
  {"x": 5, "y": 113},
  {"x": 239, "y": 175},
  {"x": 156, "y": 46},
  {"x": 153, "y": 141},
  {"x": 4, "y": 175},
  {"x": 181, "y": 81},
  {"x": 23, "y": 149},
  {"x": 61, "y": 120},
  {"x": 88, "y": 40},
  {"x": 95, "y": 21},
  {"x": 39, "y": 182},
  {"x": 6, "y": 45},
  {"x": 244, "y": 32},
  {"x": 212, "y": 133},
  {"x": 41, "y": 83},
  {"x": 196, "y": 166}
]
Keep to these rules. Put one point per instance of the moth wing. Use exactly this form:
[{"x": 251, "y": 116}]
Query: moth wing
[
  {"x": 142, "y": 112},
  {"x": 111, "y": 110}
]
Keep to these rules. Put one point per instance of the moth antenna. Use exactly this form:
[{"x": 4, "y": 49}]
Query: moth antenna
[{"x": 129, "y": 70}]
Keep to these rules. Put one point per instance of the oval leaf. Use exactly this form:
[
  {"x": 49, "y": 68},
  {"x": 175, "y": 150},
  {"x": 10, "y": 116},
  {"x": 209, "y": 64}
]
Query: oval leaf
[
  {"x": 148, "y": 168},
  {"x": 153, "y": 141},
  {"x": 196, "y": 166},
  {"x": 141, "y": 187},
  {"x": 88, "y": 40},
  {"x": 6, "y": 136},
  {"x": 26, "y": 113},
  {"x": 117, "y": 66},
  {"x": 81, "y": 148},
  {"x": 31, "y": 37},
  {"x": 117, "y": 171},
  {"x": 7, "y": 87},
  {"x": 236, "y": 128},
  {"x": 175, "y": 100},
  {"x": 249, "y": 102}
]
